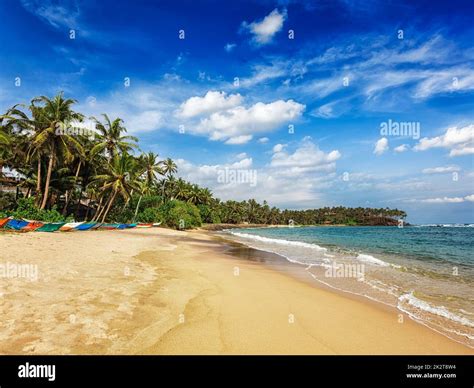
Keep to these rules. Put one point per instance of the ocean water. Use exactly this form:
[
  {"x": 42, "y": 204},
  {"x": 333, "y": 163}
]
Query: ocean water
[{"x": 424, "y": 271}]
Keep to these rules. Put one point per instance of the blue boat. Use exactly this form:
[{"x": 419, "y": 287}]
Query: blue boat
[
  {"x": 85, "y": 226},
  {"x": 16, "y": 224}
]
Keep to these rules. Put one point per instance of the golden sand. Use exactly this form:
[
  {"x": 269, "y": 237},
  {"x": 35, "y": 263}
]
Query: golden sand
[{"x": 157, "y": 291}]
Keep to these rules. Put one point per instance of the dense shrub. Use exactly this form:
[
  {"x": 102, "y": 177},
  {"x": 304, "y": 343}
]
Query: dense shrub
[
  {"x": 209, "y": 215},
  {"x": 151, "y": 214},
  {"x": 7, "y": 201},
  {"x": 181, "y": 215},
  {"x": 27, "y": 209}
]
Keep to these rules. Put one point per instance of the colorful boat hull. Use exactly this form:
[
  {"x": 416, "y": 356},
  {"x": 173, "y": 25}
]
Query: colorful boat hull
[
  {"x": 85, "y": 226},
  {"x": 32, "y": 225},
  {"x": 70, "y": 226},
  {"x": 109, "y": 226},
  {"x": 50, "y": 227},
  {"x": 4, "y": 221},
  {"x": 16, "y": 224}
]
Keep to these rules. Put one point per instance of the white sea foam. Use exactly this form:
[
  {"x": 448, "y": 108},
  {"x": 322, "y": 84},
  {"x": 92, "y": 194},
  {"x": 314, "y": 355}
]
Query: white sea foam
[
  {"x": 437, "y": 310},
  {"x": 371, "y": 260},
  {"x": 279, "y": 241}
]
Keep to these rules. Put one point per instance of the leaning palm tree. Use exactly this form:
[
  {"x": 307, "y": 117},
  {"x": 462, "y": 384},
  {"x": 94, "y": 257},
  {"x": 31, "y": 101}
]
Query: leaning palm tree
[
  {"x": 49, "y": 115},
  {"x": 110, "y": 138},
  {"x": 119, "y": 178}
]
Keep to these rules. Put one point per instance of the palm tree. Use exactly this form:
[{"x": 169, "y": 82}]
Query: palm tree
[
  {"x": 110, "y": 138},
  {"x": 150, "y": 167},
  {"x": 50, "y": 115},
  {"x": 169, "y": 168},
  {"x": 119, "y": 178}
]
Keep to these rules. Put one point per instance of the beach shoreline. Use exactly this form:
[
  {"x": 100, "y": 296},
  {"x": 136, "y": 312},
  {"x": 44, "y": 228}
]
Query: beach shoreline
[{"x": 160, "y": 291}]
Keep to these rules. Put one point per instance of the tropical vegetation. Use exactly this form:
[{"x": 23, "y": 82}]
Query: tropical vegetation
[{"x": 104, "y": 177}]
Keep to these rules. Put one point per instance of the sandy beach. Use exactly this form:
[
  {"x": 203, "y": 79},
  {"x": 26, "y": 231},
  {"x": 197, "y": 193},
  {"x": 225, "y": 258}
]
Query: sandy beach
[{"x": 159, "y": 291}]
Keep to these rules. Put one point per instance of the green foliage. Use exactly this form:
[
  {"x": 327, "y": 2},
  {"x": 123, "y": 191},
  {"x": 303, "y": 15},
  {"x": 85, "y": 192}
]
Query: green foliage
[
  {"x": 7, "y": 201},
  {"x": 151, "y": 214},
  {"x": 209, "y": 215},
  {"x": 181, "y": 215},
  {"x": 28, "y": 210}
]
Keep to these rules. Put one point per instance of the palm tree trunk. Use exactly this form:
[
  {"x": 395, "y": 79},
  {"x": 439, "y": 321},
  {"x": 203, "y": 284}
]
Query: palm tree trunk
[
  {"x": 48, "y": 179},
  {"x": 136, "y": 210},
  {"x": 109, "y": 205},
  {"x": 69, "y": 192},
  {"x": 38, "y": 182},
  {"x": 98, "y": 210}
]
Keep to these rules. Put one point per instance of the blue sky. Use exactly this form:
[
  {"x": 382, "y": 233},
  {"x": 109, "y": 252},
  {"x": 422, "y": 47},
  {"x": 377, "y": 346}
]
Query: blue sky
[{"x": 297, "y": 91}]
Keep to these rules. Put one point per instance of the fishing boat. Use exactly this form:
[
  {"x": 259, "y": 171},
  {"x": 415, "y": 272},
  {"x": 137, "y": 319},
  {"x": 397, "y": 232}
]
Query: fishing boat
[
  {"x": 109, "y": 226},
  {"x": 70, "y": 226},
  {"x": 144, "y": 225},
  {"x": 32, "y": 225},
  {"x": 16, "y": 224},
  {"x": 4, "y": 221},
  {"x": 85, "y": 226},
  {"x": 50, "y": 227}
]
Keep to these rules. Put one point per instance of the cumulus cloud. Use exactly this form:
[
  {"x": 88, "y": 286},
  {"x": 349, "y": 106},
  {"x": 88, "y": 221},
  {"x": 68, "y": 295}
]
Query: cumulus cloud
[
  {"x": 441, "y": 170},
  {"x": 308, "y": 157},
  {"x": 264, "y": 30},
  {"x": 239, "y": 124},
  {"x": 381, "y": 146},
  {"x": 263, "y": 140},
  {"x": 314, "y": 169},
  {"x": 212, "y": 102},
  {"x": 460, "y": 141},
  {"x": 401, "y": 148}
]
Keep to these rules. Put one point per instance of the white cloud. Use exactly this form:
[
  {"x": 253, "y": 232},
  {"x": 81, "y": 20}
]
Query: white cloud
[
  {"x": 145, "y": 121},
  {"x": 56, "y": 15},
  {"x": 313, "y": 168},
  {"x": 381, "y": 146},
  {"x": 445, "y": 200},
  {"x": 441, "y": 170},
  {"x": 242, "y": 139},
  {"x": 238, "y": 125},
  {"x": 264, "y": 30},
  {"x": 212, "y": 102},
  {"x": 278, "y": 148},
  {"x": 308, "y": 157},
  {"x": 460, "y": 141},
  {"x": 263, "y": 140},
  {"x": 229, "y": 47},
  {"x": 401, "y": 148},
  {"x": 469, "y": 198}
]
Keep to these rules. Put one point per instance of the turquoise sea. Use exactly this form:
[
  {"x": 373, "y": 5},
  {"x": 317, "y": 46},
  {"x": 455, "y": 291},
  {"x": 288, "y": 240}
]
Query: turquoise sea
[{"x": 425, "y": 271}]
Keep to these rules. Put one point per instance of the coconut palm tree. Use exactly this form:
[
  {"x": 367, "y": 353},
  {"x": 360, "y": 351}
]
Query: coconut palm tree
[
  {"x": 169, "y": 168},
  {"x": 49, "y": 115},
  {"x": 110, "y": 139},
  {"x": 150, "y": 168},
  {"x": 119, "y": 178}
]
